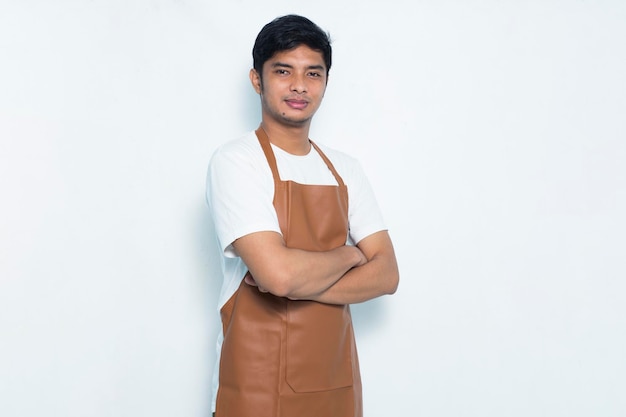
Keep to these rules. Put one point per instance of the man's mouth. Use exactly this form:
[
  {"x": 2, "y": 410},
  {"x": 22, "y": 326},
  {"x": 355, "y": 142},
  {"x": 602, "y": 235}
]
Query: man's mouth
[{"x": 297, "y": 104}]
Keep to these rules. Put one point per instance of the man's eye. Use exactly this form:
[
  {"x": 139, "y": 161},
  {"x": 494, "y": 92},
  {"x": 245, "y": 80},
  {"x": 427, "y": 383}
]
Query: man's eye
[
  {"x": 282, "y": 72},
  {"x": 315, "y": 74}
]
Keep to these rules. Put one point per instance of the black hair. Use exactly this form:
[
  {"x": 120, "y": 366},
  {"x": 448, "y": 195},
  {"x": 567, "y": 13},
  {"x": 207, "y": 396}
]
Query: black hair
[{"x": 286, "y": 33}]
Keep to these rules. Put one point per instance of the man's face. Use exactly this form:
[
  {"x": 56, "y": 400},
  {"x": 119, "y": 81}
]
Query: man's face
[{"x": 292, "y": 86}]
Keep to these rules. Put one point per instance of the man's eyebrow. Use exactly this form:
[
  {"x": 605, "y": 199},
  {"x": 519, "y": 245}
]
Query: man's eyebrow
[
  {"x": 281, "y": 64},
  {"x": 284, "y": 65}
]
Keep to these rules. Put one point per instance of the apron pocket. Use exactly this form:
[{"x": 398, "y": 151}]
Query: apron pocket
[{"x": 319, "y": 346}]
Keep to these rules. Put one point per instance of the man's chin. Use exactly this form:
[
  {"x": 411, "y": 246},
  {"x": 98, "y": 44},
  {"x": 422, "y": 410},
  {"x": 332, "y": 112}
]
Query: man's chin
[{"x": 296, "y": 122}]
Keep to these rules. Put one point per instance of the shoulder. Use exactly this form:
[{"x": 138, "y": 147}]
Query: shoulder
[
  {"x": 344, "y": 163},
  {"x": 246, "y": 145},
  {"x": 334, "y": 153},
  {"x": 238, "y": 156}
]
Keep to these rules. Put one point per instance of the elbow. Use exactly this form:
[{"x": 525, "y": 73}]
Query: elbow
[
  {"x": 393, "y": 280},
  {"x": 280, "y": 291},
  {"x": 277, "y": 279},
  {"x": 280, "y": 285},
  {"x": 388, "y": 272},
  {"x": 392, "y": 284}
]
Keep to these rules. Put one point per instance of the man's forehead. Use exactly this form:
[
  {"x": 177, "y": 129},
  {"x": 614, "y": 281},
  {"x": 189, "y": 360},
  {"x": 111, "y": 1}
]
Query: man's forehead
[{"x": 301, "y": 54}]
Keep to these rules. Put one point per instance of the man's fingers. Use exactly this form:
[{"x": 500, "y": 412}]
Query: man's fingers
[{"x": 250, "y": 281}]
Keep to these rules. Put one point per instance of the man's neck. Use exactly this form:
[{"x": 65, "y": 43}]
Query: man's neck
[{"x": 291, "y": 139}]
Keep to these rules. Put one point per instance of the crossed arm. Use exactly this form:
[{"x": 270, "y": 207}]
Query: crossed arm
[{"x": 345, "y": 275}]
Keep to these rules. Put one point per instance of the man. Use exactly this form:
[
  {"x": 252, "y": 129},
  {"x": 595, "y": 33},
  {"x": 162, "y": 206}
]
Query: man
[{"x": 302, "y": 237}]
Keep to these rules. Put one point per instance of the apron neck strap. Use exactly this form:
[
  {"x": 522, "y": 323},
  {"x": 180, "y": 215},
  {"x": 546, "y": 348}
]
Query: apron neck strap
[
  {"x": 271, "y": 159},
  {"x": 267, "y": 150}
]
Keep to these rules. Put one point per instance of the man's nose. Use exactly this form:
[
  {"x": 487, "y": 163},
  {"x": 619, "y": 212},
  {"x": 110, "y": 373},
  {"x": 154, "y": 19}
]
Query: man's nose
[{"x": 298, "y": 84}]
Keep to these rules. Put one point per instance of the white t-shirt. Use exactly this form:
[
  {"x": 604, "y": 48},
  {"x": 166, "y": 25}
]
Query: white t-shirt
[{"x": 240, "y": 193}]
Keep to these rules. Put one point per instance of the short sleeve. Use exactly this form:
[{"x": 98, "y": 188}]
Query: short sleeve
[
  {"x": 240, "y": 191},
  {"x": 365, "y": 217}
]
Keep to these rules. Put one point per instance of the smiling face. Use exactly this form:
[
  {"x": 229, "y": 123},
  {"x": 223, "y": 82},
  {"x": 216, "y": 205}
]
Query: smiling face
[{"x": 292, "y": 86}]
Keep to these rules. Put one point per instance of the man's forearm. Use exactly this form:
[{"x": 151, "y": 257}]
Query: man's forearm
[
  {"x": 379, "y": 276},
  {"x": 294, "y": 273},
  {"x": 362, "y": 283},
  {"x": 312, "y": 273}
]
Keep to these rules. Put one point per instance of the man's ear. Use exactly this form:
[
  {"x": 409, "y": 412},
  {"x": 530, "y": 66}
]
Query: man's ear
[{"x": 255, "y": 79}]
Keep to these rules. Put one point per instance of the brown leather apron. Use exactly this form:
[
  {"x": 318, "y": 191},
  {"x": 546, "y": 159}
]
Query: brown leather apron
[{"x": 285, "y": 358}]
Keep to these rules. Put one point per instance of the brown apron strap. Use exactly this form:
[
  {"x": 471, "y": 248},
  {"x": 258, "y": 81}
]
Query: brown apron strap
[
  {"x": 269, "y": 154},
  {"x": 328, "y": 164},
  {"x": 271, "y": 159}
]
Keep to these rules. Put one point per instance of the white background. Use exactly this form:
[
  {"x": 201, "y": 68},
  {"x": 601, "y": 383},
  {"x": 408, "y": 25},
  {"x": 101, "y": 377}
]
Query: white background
[{"x": 494, "y": 135}]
